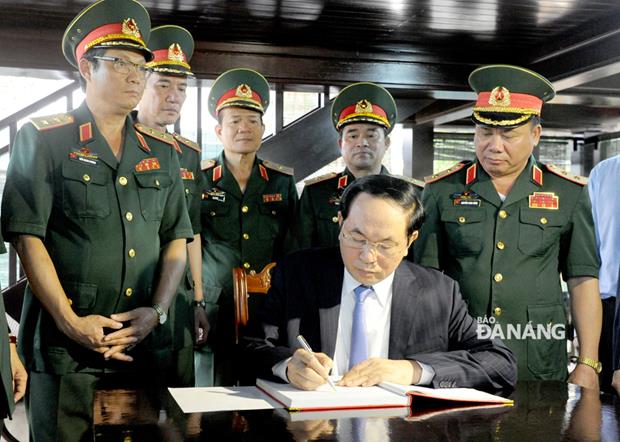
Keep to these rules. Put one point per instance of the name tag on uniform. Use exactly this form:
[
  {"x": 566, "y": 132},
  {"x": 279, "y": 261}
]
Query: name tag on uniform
[
  {"x": 148, "y": 164},
  {"x": 467, "y": 198},
  {"x": 187, "y": 174},
  {"x": 85, "y": 156},
  {"x": 272, "y": 197},
  {"x": 544, "y": 200},
  {"x": 215, "y": 195}
]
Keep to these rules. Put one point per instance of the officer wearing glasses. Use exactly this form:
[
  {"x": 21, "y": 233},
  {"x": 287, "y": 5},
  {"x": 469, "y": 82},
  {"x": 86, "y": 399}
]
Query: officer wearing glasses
[
  {"x": 95, "y": 208},
  {"x": 370, "y": 315}
]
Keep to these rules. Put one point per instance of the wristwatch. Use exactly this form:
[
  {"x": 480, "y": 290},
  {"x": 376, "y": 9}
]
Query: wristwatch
[
  {"x": 596, "y": 365},
  {"x": 161, "y": 314},
  {"x": 200, "y": 303}
]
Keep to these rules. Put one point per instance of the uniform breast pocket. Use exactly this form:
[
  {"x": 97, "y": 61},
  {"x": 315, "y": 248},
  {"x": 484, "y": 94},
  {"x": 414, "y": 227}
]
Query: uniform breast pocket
[
  {"x": 153, "y": 189},
  {"x": 539, "y": 230},
  {"x": 329, "y": 216},
  {"x": 464, "y": 230},
  {"x": 274, "y": 219},
  {"x": 216, "y": 219},
  {"x": 84, "y": 191}
]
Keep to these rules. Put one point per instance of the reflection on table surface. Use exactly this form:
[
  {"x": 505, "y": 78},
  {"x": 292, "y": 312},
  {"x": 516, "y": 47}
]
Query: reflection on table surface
[{"x": 544, "y": 410}]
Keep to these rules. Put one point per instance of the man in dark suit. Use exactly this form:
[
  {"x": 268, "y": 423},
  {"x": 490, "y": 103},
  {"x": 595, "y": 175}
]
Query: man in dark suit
[{"x": 373, "y": 316}]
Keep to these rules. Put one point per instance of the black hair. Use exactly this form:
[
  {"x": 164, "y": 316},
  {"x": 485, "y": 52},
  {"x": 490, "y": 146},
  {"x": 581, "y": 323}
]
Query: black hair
[
  {"x": 390, "y": 188},
  {"x": 220, "y": 115},
  {"x": 90, "y": 56},
  {"x": 385, "y": 130}
]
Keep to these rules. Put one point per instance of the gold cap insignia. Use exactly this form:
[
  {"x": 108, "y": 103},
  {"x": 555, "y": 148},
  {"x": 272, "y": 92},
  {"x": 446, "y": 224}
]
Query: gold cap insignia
[
  {"x": 363, "y": 107},
  {"x": 244, "y": 91},
  {"x": 500, "y": 96},
  {"x": 130, "y": 27},
  {"x": 175, "y": 53}
]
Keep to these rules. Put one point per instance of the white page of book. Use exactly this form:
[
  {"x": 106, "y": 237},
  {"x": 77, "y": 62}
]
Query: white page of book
[{"x": 451, "y": 394}]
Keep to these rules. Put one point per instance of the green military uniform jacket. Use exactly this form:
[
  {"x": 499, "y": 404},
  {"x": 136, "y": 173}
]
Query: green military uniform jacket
[
  {"x": 182, "y": 315},
  {"x": 507, "y": 256},
  {"x": 319, "y": 204},
  {"x": 242, "y": 229},
  {"x": 103, "y": 223},
  {"x": 6, "y": 389}
]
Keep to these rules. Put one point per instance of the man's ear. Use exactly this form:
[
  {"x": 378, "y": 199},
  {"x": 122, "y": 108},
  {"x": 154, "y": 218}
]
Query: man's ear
[
  {"x": 340, "y": 219},
  {"x": 340, "y": 143},
  {"x": 388, "y": 141},
  {"x": 85, "y": 68},
  {"x": 412, "y": 237},
  {"x": 218, "y": 132}
]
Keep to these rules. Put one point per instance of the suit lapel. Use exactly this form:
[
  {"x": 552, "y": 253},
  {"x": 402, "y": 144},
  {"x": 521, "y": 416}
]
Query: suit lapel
[
  {"x": 405, "y": 289},
  {"x": 256, "y": 184},
  {"x": 524, "y": 185},
  {"x": 484, "y": 187},
  {"x": 227, "y": 182},
  {"x": 329, "y": 303},
  {"x": 97, "y": 143}
]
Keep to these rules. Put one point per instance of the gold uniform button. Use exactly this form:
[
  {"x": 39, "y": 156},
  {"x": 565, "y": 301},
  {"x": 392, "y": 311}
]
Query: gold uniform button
[
  {"x": 131, "y": 253},
  {"x": 335, "y": 219},
  {"x": 500, "y": 245},
  {"x": 245, "y": 209},
  {"x": 503, "y": 214},
  {"x": 157, "y": 183},
  {"x": 187, "y": 191},
  {"x": 543, "y": 220},
  {"x": 70, "y": 301},
  {"x": 122, "y": 181},
  {"x": 462, "y": 219},
  {"x": 246, "y": 265},
  {"x": 212, "y": 213},
  {"x": 273, "y": 212},
  {"x": 129, "y": 216},
  {"x": 246, "y": 236},
  {"x": 128, "y": 291},
  {"x": 86, "y": 177},
  {"x": 497, "y": 311},
  {"x": 498, "y": 277}
]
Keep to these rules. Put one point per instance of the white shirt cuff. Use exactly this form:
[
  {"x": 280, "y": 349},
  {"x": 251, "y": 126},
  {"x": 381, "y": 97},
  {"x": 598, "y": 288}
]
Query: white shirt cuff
[
  {"x": 279, "y": 370},
  {"x": 428, "y": 373}
]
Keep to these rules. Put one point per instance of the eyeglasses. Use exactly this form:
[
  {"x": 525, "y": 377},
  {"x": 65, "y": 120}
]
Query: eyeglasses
[
  {"x": 388, "y": 250},
  {"x": 124, "y": 66}
]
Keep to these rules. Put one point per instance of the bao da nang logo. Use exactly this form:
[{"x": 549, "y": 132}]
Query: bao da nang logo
[{"x": 488, "y": 328}]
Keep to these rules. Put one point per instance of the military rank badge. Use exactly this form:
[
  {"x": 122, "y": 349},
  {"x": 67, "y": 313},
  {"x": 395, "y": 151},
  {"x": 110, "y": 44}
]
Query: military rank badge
[
  {"x": 273, "y": 197},
  {"x": 84, "y": 155},
  {"x": 148, "y": 164},
  {"x": 215, "y": 195},
  {"x": 467, "y": 198},
  {"x": 187, "y": 174},
  {"x": 544, "y": 200}
]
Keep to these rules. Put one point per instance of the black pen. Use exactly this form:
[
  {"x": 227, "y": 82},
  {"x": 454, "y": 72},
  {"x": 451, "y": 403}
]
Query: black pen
[{"x": 306, "y": 347}]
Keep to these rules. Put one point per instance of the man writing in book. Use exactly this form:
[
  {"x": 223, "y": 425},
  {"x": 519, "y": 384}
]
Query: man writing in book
[{"x": 373, "y": 316}]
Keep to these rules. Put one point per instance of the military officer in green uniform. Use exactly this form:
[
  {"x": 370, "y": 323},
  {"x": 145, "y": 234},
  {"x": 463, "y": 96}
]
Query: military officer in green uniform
[
  {"x": 248, "y": 204},
  {"x": 506, "y": 226},
  {"x": 364, "y": 114},
  {"x": 160, "y": 107},
  {"x": 96, "y": 210},
  {"x": 12, "y": 371}
]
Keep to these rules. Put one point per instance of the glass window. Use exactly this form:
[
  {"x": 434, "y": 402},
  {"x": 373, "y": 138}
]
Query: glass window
[{"x": 298, "y": 104}]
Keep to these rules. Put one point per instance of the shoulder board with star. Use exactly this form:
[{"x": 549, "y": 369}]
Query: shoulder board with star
[
  {"x": 577, "y": 179},
  {"x": 52, "y": 121},
  {"x": 278, "y": 167},
  {"x": 417, "y": 183},
  {"x": 154, "y": 133},
  {"x": 445, "y": 173},
  {"x": 319, "y": 179},
  {"x": 187, "y": 142},
  {"x": 207, "y": 164}
]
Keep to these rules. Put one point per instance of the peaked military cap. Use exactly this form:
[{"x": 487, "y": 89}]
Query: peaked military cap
[
  {"x": 172, "y": 48},
  {"x": 364, "y": 103},
  {"x": 109, "y": 24},
  {"x": 240, "y": 88},
  {"x": 508, "y": 96}
]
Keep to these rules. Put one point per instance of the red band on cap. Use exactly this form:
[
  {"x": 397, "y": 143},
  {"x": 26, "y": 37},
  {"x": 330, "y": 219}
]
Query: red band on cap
[
  {"x": 376, "y": 111},
  {"x": 231, "y": 95},
  {"x": 101, "y": 33},
  {"x": 162, "y": 55},
  {"x": 517, "y": 102}
]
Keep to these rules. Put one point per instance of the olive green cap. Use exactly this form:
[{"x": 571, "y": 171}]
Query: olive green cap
[
  {"x": 364, "y": 103},
  {"x": 109, "y": 24},
  {"x": 173, "y": 47},
  {"x": 239, "y": 88},
  {"x": 508, "y": 96}
]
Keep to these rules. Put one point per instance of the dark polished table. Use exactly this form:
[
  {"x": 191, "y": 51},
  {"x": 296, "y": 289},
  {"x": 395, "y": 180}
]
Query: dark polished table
[{"x": 543, "y": 411}]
